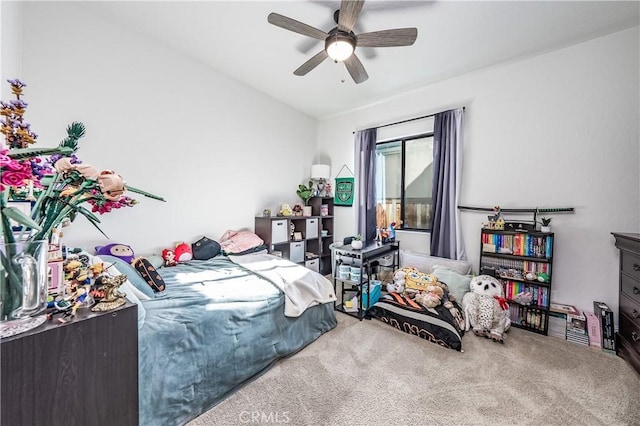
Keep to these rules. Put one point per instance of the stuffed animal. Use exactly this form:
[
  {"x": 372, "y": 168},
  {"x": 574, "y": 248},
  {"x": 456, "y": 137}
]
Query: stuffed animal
[
  {"x": 121, "y": 251},
  {"x": 416, "y": 282},
  {"x": 286, "y": 210},
  {"x": 486, "y": 309},
  {"x": 183, "y": 252},
  {"x": 431, "y": 297},
  {"x": 397, "y": 286},
  {"x": 169, "y": 257}
]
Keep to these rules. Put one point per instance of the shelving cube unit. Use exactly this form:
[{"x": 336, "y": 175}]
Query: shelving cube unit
[
  {"x": 515, "y": 257},
  {"x": 313, "y": 249}
]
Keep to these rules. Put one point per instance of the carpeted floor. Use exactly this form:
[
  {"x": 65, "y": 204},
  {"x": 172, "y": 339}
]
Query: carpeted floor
[{"x": 368, "y": 373}]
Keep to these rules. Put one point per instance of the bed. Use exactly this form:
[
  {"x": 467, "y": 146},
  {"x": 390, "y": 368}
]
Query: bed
[
  {"x": 441, "y": 325},
  {"x": 438, "y": 325},
  {"x": 217, "y": 325}
]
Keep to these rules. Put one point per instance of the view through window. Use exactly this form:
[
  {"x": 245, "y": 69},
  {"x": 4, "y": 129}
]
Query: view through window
[{"x": 404, "y": 182}]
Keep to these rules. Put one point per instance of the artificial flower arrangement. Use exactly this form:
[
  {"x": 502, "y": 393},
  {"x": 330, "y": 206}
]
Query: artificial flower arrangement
[{"x": 55, "y": 180}]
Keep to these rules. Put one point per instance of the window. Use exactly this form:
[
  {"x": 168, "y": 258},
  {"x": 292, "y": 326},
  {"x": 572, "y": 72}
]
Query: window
[{"x": 404, "y": 181}]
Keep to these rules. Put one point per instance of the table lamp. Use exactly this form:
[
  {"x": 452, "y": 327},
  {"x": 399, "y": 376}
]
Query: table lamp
[{"x": 320, "y": 173}]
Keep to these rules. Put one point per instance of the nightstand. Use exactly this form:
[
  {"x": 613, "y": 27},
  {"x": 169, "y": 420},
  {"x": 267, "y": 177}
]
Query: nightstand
[{"x": 83, "y": 372}]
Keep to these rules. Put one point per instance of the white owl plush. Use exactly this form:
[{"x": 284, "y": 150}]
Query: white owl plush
[{"x": 485, "y": 308}]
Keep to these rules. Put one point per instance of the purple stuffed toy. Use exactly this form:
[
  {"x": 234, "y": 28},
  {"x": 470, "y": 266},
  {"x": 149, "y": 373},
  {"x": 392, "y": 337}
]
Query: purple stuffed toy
[{"x": 121, "y": 251}]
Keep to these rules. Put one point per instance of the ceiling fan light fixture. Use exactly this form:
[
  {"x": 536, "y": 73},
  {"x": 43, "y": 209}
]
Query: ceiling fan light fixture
[{"x": 339, "y": 46}]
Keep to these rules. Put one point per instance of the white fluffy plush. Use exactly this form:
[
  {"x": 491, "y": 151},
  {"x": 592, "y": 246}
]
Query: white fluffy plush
[{"x": 486, "y": 310}]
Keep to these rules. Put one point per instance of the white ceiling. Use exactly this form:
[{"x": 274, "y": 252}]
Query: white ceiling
[{"x": 454, "y": 37}]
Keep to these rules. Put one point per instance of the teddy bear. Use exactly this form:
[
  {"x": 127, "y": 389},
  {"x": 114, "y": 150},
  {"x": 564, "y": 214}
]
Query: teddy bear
[
  {"x": 286, "y": 210},
  {"x": 430, "y": 297},
  {"x": 397, "y": 286},
  {"x": 485, "y": 308}
]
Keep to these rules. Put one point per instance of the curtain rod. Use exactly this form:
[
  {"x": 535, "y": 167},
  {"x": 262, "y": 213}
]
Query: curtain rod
[{"x": 408, "y": 120}]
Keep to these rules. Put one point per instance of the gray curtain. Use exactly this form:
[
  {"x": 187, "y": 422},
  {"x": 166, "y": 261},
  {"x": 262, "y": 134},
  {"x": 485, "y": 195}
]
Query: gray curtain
[
  {"x": 446, "y": 236},
  {"x": 365, "y": 193}
]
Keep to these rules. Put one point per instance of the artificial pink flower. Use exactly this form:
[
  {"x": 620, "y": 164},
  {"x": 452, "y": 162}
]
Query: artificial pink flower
[
  {"x": 14, "y": 178},
  {"x": 63, "y": 165}
]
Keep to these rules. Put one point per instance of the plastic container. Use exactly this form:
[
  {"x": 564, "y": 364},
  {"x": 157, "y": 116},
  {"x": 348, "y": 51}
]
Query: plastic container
[
  {"x": 374, "y": 294},
  {"x": 344, "y": 272},
  {"x": 355, "y": 273}
]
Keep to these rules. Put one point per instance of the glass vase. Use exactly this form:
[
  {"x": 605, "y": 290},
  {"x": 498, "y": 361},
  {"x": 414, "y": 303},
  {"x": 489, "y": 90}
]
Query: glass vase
[{"x": 23, "y": 286}]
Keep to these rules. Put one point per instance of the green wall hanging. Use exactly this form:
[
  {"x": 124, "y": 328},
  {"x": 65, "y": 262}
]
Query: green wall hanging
[{"x": 344, "y": 191}]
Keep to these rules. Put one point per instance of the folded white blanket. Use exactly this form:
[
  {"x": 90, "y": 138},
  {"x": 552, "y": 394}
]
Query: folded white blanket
[{"x": 302, "y": 287}]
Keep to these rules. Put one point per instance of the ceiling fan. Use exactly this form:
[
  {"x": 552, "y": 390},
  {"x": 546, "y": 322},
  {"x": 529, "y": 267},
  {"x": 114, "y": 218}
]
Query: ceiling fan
[{"x": 340, "y": 43}]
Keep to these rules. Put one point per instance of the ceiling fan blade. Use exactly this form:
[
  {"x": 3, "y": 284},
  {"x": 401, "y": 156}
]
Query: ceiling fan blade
[
  {"x": 356, "y": 69},
  {"x": 388, "y": 38},
  {"x": 349, "y": 12},
  {"x": 296, "y": 26},
  {"x": 311, "y": 63}
]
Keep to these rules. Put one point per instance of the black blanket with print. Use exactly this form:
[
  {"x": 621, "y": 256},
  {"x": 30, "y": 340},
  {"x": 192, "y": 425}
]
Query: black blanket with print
[{"x": 439, "y": 325}]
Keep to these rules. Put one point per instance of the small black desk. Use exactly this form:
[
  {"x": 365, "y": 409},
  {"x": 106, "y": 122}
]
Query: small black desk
[{"x": 362, "y": 259}]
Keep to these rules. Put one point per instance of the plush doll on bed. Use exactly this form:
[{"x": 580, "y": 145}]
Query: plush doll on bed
[
  {"x": 183, "y": 252},
  {"x": 121, "y": 251},
  {"x": 485, "y": 308},
  {"x": 169, "y": 257}
]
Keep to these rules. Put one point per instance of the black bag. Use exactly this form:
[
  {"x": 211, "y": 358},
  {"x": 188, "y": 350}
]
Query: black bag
[
  {"x": 205, "y": 249},
  {"x": 149, "y": 273}
]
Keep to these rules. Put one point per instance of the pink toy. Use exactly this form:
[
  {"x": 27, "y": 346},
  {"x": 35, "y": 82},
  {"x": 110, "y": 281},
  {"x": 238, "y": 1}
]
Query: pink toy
[{"x": 183, "y": 252}]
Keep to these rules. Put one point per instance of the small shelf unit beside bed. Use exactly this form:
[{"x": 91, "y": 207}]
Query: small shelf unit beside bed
[
  {"x": 513, "y": 255},
  {"x": 366, "y": 261},
  {"x": 312, "y": 250}
]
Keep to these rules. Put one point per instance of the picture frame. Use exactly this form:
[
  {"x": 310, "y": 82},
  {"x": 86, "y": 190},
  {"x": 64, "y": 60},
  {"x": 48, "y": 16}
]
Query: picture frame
[{"x": 297, "y": 236}]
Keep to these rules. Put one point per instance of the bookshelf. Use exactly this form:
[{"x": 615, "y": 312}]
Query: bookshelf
[{"x": 522, "y": 261}]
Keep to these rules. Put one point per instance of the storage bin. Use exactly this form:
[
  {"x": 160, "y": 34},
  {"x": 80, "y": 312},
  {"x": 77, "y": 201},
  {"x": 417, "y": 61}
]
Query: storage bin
[
  {"x": 355, "y": 273},
  {"x": 375, "y": 289},
  {"x": 344, "y": 272}
]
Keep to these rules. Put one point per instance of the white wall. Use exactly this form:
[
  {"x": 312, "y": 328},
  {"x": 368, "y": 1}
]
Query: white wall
[
  {"x": 10, "y": 48},
  {"x": 218, "y": 151},
  {"x": 557, "y": 130}
]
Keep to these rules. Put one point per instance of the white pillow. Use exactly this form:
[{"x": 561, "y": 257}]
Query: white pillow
[{"x": 425, "y": 263}]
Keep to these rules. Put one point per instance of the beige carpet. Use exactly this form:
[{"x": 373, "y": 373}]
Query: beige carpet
[{"x": 368, "y": 373}]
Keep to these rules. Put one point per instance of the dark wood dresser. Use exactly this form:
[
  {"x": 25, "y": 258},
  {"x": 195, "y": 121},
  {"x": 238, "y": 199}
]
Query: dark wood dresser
[
  {"x": 84, "y": 372},
  {"x": 628, "y": 336}
]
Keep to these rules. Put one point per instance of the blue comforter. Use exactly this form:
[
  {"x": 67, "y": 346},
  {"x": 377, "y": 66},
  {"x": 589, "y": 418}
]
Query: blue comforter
[{"x": 215, "y": 327}]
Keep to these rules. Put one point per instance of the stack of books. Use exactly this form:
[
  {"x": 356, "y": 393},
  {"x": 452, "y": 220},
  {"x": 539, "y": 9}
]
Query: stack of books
[
  {"x": 577, "y": 328},
  {"x": 567, "y": 322}
]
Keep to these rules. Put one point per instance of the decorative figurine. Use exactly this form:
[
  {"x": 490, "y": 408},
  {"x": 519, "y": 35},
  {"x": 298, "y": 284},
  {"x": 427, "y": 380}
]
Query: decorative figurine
[{"x": 113, "y": 298}]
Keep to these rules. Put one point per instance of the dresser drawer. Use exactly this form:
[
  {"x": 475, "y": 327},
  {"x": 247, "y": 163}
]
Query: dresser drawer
[
  {"x": 630, "y": 308},
  {"x": 631, "y": 264},
  {"x": 625, "y": 350},
  {"x": 630, "y": 331},
  {"x": 630, "y": 287}
]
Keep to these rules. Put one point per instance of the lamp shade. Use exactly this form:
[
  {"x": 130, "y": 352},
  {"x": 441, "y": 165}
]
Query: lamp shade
[{"x": 320, "y": 171}]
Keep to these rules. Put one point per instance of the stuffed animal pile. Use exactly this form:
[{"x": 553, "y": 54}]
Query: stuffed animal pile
[
  {"x": 425, "y": 289},
  {"x": 486, "y": 310}
]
